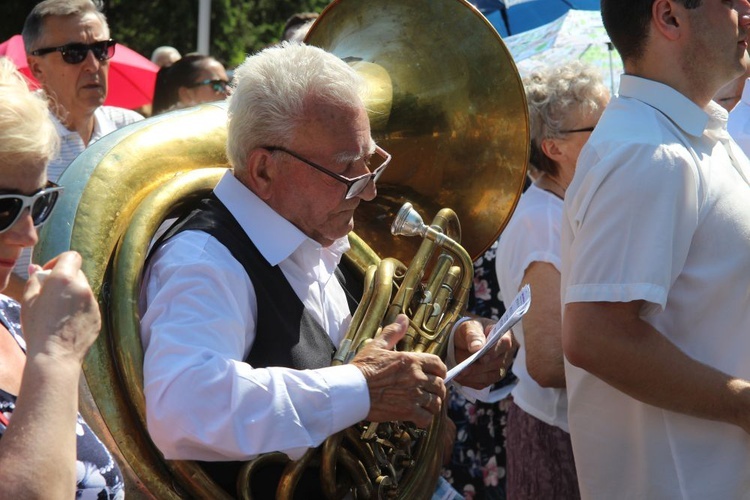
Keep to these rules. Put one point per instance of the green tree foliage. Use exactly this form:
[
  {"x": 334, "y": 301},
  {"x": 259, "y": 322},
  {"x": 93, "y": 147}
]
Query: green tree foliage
[{"x": 238, "y": 27}]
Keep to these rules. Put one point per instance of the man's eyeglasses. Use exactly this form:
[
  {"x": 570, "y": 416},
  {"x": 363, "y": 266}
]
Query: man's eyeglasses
[
  {"x": 75, "y": 53},
  {"x": 574, "y": 130},
  {"x": 219, "y": 86},
  {"x": 41, "y": 204},
  {"x": 356, "y": 185}
]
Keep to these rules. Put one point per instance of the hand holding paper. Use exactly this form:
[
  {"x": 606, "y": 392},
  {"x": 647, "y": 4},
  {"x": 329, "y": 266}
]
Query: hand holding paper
[{"x": 514, "y": 313}]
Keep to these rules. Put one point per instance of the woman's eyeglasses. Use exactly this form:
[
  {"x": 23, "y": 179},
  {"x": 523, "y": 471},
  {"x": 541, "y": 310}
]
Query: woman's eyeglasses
[
  {"x": 41, "y": 204},
  {"x": 75, "y": 53},
  {"x": 219, "y": 86},
  {"x": 576, "y": 130}
]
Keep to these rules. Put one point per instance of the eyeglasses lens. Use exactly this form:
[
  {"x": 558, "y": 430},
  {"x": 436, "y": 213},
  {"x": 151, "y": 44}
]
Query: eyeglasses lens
[
  {"x": 75, "y": 53},
  {"x": 219, "y": 86},
  {"x": 376, "y": 165},
  {"x": 42, "y": 207},
  {"x": 9, "y": 209}
]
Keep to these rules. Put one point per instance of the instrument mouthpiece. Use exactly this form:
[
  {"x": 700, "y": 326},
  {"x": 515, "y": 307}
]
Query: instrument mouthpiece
[{"x": 408, "y": 222}]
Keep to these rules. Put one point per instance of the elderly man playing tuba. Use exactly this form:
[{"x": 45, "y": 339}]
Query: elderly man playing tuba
[{"x": 245, "y": 302}]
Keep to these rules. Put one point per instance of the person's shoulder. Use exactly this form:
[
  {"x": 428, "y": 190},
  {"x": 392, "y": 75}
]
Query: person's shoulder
[
  {"x": 536, "y": 212},
  {"x": 534, "y": 204},
  {"x": 10, "y": 315},
  {"x": 121, "y": 116}
]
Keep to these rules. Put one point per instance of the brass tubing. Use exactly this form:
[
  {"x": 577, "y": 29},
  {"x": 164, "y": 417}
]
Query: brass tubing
[
  {"x": 292, "y": 474},
  {"x": 346, "y": 347}
]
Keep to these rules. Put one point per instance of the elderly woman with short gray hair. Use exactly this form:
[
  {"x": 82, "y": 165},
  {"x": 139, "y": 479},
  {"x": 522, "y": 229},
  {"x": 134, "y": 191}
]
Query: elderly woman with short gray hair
[{"x": 565, "y": 103}]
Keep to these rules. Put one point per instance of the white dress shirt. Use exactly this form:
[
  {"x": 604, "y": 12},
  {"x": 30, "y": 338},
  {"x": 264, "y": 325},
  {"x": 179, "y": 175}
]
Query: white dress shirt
[
  {"x": 659, "y": 211},
  {"x": 738, "y": 125},
  {"x": 203, "y": 402}
]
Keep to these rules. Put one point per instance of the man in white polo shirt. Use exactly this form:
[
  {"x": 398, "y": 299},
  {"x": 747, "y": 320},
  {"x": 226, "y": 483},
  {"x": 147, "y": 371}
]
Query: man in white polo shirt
[
  {"x": 68, "y": 48},
  {"x": 656, "y": 265}
]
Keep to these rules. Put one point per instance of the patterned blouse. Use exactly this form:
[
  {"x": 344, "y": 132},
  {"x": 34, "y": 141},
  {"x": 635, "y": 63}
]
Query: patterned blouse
[{"x": 97, "y": 475}]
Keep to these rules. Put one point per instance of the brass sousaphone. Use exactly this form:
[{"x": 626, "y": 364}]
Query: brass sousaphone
[{"x": 447, "y": 102}]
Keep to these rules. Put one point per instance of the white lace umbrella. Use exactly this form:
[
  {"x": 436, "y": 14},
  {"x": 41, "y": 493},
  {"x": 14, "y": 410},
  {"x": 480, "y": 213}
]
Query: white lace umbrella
[{"x": 578, "y": 34}]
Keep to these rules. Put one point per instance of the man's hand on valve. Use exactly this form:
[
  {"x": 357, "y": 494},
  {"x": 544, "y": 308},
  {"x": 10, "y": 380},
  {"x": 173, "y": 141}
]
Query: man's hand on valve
[{"x": 403, "y": 386}]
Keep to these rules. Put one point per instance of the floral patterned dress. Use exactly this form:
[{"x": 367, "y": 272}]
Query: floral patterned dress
[
  {"x": 97, "y": 475},
  {"x": 477, "y": 465}
]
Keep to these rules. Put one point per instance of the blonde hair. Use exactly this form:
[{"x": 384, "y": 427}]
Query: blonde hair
[{"x": 26, "y": 131}]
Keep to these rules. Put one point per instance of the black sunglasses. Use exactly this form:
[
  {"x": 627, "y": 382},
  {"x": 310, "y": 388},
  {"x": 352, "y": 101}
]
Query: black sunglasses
[
  {"x": 217, "y": 85},
  {"x": 41, "y": 204},
  {"x": 75, "y": 53}
]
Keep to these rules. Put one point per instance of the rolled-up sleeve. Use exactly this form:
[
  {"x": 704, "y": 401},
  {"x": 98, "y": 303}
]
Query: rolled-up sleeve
[{"x": 628, "y": 224}]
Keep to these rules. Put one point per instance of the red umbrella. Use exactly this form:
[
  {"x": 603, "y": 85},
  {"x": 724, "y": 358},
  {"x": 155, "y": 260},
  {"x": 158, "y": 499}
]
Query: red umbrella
[{"x": 131, "y": 76}]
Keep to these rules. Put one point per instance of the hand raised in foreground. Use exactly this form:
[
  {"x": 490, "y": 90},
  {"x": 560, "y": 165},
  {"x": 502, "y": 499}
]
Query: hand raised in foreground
[
  {"x": 470, "y": 336},
  {"x": 404, "y": 386},
  {"x": 60, "y": 317}
]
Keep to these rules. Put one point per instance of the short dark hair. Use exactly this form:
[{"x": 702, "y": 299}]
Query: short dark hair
[
  {"x": 627, "y": 24},
  {"x": 183, "y": 73},
  {"x": 32, "y": 27},
  {"x": 296, "y": 21}
]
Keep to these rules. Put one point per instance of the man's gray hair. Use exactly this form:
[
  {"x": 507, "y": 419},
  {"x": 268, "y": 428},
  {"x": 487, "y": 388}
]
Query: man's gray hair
[
  {"x": 272, "y": 88},
  {"x": 32, "y": 27}
]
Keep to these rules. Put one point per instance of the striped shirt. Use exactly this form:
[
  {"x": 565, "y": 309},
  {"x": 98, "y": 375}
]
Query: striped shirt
[{"x": 106, "y": 119}]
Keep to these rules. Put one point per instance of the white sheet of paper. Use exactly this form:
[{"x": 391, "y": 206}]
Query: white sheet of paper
[{"x": 512, "y": 315}]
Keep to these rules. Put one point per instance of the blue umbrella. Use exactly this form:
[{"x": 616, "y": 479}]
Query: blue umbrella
[
  {"x": 577, "y": 34},
  {"x": 510, "y": 17}
]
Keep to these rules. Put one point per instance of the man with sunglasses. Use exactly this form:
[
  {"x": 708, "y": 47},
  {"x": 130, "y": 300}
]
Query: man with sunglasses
[
  {"x": 244, "y": 303},
  {"x": 68, "y": 49}
]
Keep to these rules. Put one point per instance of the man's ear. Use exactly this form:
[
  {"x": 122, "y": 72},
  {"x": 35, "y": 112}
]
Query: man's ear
[
  {"x": 667, "y": 18},
  {"x": 259, "y": 173},
  {"x": 36, "y": 68}
]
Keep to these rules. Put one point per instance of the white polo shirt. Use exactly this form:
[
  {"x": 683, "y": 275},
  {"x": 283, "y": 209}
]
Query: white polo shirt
[{"x": 659, "y": 210}]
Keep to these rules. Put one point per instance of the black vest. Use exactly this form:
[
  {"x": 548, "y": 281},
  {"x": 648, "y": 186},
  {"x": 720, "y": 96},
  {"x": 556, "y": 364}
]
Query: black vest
[{"x": 286, "y": 334}]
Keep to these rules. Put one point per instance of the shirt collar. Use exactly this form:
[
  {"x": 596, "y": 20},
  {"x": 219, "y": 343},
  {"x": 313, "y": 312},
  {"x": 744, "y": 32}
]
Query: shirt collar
[
  {"x": 679, "y": 109},
  {"x": 260, "y": 221},
  {"x": 746, "y": 94},
  {"x": 102, "y": 125}
]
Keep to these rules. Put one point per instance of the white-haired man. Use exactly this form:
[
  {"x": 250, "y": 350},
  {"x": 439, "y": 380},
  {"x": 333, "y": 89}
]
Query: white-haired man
[{"x": 245, "y": 302}]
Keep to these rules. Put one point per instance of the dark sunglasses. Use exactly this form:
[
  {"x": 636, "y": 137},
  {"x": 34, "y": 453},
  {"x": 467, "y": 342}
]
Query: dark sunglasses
[
  {"x": 75, "y": 53},
  {"x": 219, "y": 86},
  {"x": 40, "y": 203}
]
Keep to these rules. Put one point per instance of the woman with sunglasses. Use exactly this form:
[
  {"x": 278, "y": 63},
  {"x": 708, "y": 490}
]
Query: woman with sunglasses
[
  {"x": 46, "y": 449},
  {"x": 192, "y": 80}
]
